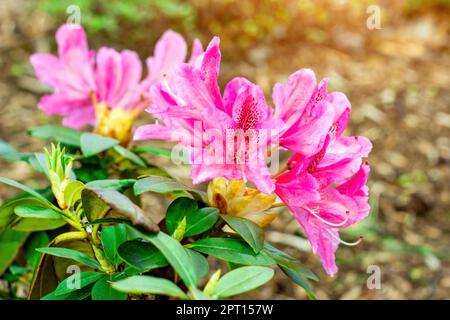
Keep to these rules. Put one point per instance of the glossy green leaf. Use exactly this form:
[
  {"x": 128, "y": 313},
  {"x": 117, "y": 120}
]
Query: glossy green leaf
[
  {"x": 10, "y": 243},
  {"x": 93, "y": 199},
  {"x": 112, "y": 238},
  {"x": 27, "y": 211},
  {"x": 241, "y": 280},
  {"x": 74, "y": 295},
  {"x": 61, "y": 134},
  {"x": 102, "y": 290},
  {"x": 77, "y": 281},
  {"x": 141, "y": 255},
  {"x": 298, "y": 279},
  {"x": 94, "y": 207},
  {"x": 285, "y": 260},
  {"x": 149, "y": 285},
  {"x": 200, "y": 263},
  {"x": 248, "y": 230},
  {"x": 164, "y": 185},
  {"x": 111, "y": 184},
  {"x": 26, "y": 189},
  {"x": 174, "y": 252},
  {"x": 92, "y": 143},
  {"x": 37, "y": 224},
  {"x": 127, "y": 154},
  {"x": 7, "y": 209},
  {"x": 152, "y": 150},
  {"x": 36, "y": 240},
  {"x": 233, "y": 250},
  {"x": 72, "y": 192},
  {"x": 197, "y": 220},
  {"x": 71, "y": 254}
]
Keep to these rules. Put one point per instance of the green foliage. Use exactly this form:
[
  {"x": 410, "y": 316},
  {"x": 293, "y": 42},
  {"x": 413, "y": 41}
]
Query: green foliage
[
  {"x": 92, "y": 143},
  {"x": 165, "y": 185},
  {"x": 248, "y": 230},
  {"x": 149, "y": 285},
  {"x": 232, "y": 250},
  {"x": 197, "y": 220},
  {"x": 73, "y": 255},
  {"x": 241, "y": 280},
  {"x": 95, "y": 222}
]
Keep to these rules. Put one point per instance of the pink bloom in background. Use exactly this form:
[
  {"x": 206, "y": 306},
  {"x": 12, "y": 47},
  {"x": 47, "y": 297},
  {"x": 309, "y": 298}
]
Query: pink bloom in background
[
  {"x": 70, "y": 75},
  {"x": 80, "y": 78}
]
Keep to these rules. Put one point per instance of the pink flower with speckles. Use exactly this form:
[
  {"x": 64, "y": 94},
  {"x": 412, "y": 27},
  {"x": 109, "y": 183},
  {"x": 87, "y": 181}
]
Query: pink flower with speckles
[{"x": 327, "y": 191}]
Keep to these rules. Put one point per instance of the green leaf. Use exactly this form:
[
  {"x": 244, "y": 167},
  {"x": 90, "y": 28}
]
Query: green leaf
[
  {"x": 241, "y": 280},
  {"x": 72, "y": 192},
  {"x": 26, "y": 189},
  {"x": 71, "y": 283},
  {"x": 197, "y": 220},
  {"x": 61, "y": 134},
  {"x": 149, "y": 285},
  {"x": 36, "y": 240},
  {"x": 111, "y": 184},
  {"x": 27, "y": 211},
  {"x": 165, "y": 185},
  {"x": 127, "y": 154},
  {"x": 102, "y": 290},
  {"x": 10, "y": 243},
  {"x": 35, "y": 218},
  {"x": 8, "y": 153},
  {"x": 107, "y": 221},
  {"x": 141, "y": 255},
  {"x": 298, "y": 279},
  {"x": 7, "y": 209},
  {"x": 74, "y": 295},
  {"x": 200, "y": 263},
  {"x": 233, "y": 250},
  {"x": 174, "y": 252},
  {"x": 177, "y": 210},
  {"x": 94, "y": 207},
  {"x": 292, "y": 268},
  {"x": 248, "y": 230},
  {"x": 92, "y": 143},
  {"x": 286, "y": 261},
  {"x": 152, "y": 150},
  {"x": 73, "y": 255},
  {"x": 112, "y": 238},
  {"x": 119, "y": 203},
  {"x": 37, "y": 224}
]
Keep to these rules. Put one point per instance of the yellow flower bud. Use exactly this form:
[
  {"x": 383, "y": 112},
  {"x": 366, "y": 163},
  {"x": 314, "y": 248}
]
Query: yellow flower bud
[{"x": 236, "y": 199}]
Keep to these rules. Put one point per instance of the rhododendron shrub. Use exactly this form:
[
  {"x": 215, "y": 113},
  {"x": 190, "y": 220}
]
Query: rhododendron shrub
[{"x": 91, "y": 216}]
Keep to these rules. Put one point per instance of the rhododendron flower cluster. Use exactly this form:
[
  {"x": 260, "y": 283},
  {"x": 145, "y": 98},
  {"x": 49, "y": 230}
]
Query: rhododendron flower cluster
[
  {"x": 230, "y": 135},
  {"x": 323, "y": 184}
]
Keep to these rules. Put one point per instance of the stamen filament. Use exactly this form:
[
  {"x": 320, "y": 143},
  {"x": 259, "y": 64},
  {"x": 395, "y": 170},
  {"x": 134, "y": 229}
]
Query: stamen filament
[
  {"x": 331, "y": 224},
  {"x": 350, "y": 244},
  {"x": 280, "y": 172}
]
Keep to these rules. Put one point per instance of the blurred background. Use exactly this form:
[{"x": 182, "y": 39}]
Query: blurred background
[{"x": 397, "y": 78}]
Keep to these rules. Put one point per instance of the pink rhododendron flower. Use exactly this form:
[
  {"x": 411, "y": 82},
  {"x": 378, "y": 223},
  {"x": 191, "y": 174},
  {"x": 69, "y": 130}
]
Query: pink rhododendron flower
[
  {"x": 82, "y": 80},
  {"x": 71, "y": 76},
  {"x": 194, "y": 113},
  {"x": 327, "y": 191},
  {"x": 309, "y": 112}
]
